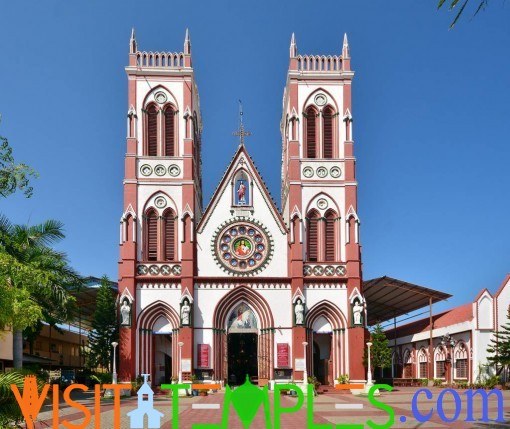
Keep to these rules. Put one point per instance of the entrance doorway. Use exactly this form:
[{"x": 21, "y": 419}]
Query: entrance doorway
[{"x": 242, "y": 357}]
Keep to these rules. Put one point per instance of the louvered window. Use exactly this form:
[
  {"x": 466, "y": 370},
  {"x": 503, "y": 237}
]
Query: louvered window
[
  {"x": 169, "y": 132},
  {"x": 330, "y": 236},
  {"x": 169, "y": 227},
  {"x": 152, "y": 131},
  {"x": 152, "y": 236},
  {"x": 328, "y": 133},
  {"x": 313, "y": 236},
  {"x": 311, "y": 133},
  {"x": 461, "y": 368}
]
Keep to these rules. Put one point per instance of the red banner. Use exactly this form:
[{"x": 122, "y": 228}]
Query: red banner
[
  {"x": 282, "y": 355},
  {"x": 203, "y": 355}
]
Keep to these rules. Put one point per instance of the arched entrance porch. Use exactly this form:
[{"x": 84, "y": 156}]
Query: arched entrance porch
[
  {"x": 326, "y": 359},
  {"x": 243, "y": 321},
  {"x": 157, "y": 343}
]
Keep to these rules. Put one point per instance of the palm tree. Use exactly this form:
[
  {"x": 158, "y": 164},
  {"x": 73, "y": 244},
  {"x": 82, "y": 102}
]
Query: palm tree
[{"x": 35, "y": 279}]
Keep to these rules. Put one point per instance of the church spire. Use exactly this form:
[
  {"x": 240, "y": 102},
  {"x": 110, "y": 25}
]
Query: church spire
[
  {"x": 132, "y": 42},
  {"x": 345, "y": 49},
  {"x": 293, "y": 47},
  {"x": 187, "y": 43}
]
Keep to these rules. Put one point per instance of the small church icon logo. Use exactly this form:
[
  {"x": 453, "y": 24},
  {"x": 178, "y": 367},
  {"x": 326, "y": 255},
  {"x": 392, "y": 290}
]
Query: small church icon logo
[{"x": 145, "y": 407}]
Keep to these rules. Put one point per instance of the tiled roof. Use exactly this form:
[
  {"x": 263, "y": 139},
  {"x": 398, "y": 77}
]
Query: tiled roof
[{"x": 464, "y": 313}]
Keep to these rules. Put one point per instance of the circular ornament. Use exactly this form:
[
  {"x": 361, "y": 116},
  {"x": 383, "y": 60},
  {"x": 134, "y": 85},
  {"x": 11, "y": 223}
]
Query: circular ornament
[
  {"x": 174, "y": 170},
  {"x": 308, "y": 172},
  {"x": 242, "y": 247},
  {"x": 321, "y": 172},
  {"x": 160, "y": 170},
  {"x": 146, "y": 170},
  {"x": 160, "y": 97},
  {"x": 335, "y": 172},
  {"x": 160, "y": 202},
  {"x": 322, "y": 204},
  {"x": 320, "y": 99}
]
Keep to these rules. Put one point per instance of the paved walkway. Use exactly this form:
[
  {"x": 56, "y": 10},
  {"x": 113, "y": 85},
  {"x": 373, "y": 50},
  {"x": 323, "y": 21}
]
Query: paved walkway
[{"x": 325, "y": 409}]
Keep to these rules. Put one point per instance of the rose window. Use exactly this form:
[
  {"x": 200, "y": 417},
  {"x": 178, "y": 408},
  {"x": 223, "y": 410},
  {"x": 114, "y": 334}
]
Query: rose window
[{"x": 242, "y": 247}]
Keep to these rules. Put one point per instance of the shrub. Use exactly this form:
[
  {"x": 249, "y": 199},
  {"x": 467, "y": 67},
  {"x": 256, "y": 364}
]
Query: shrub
[{"x": 343, "y": 379}]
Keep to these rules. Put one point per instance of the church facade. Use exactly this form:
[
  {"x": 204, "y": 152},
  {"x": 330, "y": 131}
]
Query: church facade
[{"x": 240, "y": 287}]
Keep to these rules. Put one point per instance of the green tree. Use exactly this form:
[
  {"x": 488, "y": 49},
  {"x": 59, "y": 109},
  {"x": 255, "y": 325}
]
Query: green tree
[
  {"x": 499, "y": 349},
  {"x": 380, "y": 352},
  {"x": 35, "y": 280},
  {"x": 454, "y": 3},
  {"x": 13, "y": 176},
  {"x": 104, "y": 327}
]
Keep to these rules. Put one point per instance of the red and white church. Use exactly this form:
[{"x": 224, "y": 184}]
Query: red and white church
[{"x": 240, "y": 286}]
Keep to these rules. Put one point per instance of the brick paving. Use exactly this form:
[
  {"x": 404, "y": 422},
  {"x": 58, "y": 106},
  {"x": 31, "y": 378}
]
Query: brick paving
[{"x": 323, "y": 407}]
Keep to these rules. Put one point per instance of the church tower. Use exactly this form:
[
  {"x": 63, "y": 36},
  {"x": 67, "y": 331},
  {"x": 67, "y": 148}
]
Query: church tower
[
  {"x": 162, "y": 204},
  {"x": 319, "y": 201}
]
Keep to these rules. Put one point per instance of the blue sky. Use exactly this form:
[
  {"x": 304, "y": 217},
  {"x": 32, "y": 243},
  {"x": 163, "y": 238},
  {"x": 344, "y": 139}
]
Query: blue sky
[{"x": 430, "y": 106}]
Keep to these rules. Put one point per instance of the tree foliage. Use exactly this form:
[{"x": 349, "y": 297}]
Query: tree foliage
[
  {"x": 104, "y": 328},
  {"x": 454, "y": 3},
  {"x": 499, "y": 349},
  {"x": 13, "y": 176},
  {"x": 380, "y": 352},
  {"x": 35, "y": 280}
]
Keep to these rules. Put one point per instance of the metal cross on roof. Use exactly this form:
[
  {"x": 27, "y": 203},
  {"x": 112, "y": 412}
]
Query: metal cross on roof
[{"x": 241, "y": 133}]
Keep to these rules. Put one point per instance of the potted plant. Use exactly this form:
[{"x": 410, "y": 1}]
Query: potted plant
[
  {"x": 203, "y": 392},
  {"x": 193, "y": 378},
  {"x": 342, "y": 379}
]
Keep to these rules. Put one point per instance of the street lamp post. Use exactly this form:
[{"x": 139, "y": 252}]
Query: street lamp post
[
  {"x": 114, "y": 372},
  {"x": 369, "y": 374},
  {"x": 180, "y": 344},
  {"x": 305, "y": 373}
]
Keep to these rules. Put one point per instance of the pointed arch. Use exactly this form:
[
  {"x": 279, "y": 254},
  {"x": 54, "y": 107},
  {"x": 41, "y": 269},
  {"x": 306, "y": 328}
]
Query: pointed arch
[
  {"x": 169, "y": 235},
  {"x": 331, "y": 313},
  {"x": 312, "y": 235},
  {"x": 330, "y": 236},
  {"x": 311, "y": 132},
  {"x": 170, "y": 128},
  {"x": 151, "y": 235},
  {"x": 151, "y": 130},
  {"x": 328, "y": 132}
]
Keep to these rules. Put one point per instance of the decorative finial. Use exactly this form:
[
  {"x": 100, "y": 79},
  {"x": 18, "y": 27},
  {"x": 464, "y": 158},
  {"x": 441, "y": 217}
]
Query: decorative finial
[
  {"x": 241, "y": 133},
  {"x": 293, "y": 46},
  {"x": 187, "y": 43},
  {"x": 132, "y": 42},
  {"x": 345, "y": 49}
]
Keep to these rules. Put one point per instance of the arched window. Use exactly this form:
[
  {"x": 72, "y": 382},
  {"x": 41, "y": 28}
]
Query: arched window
[
  {"x": 423, "y": 361},
  {"x": 329, "y": 236},
  {"x": 151, "y": 235},
  {"x": 169, "y": 226},
  {"x": 170, "y": 131},
  {"x": 152, "y": 131},
  {"x": 312, "y": 236},
  {"x": 311, "y": 133},
  {"x": 327, "y": 132}
]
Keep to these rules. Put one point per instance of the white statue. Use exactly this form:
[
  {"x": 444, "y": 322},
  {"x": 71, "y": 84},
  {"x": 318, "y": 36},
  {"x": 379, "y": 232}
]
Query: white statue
[
  {"x": 185, "y": 312},
  {"x": 125, "y": 313},
  {"x": 299, "y": 311},
  {"x": 357, "y": 310}
]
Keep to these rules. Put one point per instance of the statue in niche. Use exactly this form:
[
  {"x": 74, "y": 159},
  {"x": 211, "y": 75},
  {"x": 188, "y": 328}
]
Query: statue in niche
[
  {"x": 242, "y": 191},
  {"x": 299, "y": 312},
  {"x": 357, "y": 312},
  {"x": 185, "y": 312},
  {"x": 125, "y": 313}
]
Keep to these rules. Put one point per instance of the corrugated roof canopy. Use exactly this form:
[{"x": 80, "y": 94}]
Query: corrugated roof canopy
[
  {"x": 387, "y": 298},
  {"x": 86, "y": 298}
]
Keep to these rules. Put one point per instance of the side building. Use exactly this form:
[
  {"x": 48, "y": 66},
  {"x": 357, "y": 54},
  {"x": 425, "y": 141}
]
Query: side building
[{"x": 460, "y": 338}]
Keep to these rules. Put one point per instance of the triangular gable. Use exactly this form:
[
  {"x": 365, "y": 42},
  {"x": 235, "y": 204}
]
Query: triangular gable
[{"x": 223, "y": 186}]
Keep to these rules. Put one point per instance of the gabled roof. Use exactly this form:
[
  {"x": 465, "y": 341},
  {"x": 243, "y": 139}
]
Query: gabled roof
[
  {"x": 258, "y": 181},
  {"x": 464, "y": 313}
]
